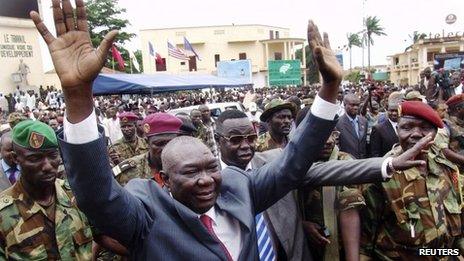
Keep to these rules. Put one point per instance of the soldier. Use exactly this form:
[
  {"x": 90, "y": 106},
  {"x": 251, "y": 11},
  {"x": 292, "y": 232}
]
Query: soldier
[
  {"x": 278, "y": 115},
  {"x": 210, "y": 125},
  {"x": 203, "y": 132},
  {"x": 39, "y": 218},
  {"x": 159, "y": 128},
  {"x": 130, "y": 144},
  {"x": 419, "y": 207}
]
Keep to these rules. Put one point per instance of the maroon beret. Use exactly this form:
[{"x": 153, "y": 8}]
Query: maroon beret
[
  {"x": 159, "y": 123},
  {"x": 455, "y": 100},
  {"x": 420, "y": 110},
  {"x": 128, "y": 117}
]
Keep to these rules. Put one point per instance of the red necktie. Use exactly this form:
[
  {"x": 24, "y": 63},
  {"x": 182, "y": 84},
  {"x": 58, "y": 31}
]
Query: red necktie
[{"x": 208, "y": 223}]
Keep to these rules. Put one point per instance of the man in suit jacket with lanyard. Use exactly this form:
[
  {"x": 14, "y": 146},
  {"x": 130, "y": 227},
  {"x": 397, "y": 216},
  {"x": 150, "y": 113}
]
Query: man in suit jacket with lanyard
[
  {"x": 205, "y": 214},
  {"x": 353, "y": 129},
  {"x": 9, "y": 170},
  {"x": 383, "y": 135}
]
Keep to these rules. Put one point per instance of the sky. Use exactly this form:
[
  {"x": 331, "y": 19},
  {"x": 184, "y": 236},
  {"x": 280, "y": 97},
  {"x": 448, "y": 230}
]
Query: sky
[{"x": 400, "y": 18}]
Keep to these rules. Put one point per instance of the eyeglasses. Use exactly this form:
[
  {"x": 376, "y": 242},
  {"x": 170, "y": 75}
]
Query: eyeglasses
[{"x": 238, "y": 139}]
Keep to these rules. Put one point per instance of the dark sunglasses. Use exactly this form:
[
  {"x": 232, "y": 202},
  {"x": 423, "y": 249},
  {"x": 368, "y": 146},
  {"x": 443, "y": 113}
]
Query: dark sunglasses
[{"x": 238, "y": 139}]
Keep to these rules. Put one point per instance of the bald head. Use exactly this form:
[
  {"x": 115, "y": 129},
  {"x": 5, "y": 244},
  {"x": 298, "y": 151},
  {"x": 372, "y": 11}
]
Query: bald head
[{"x": 182, "y": 149}]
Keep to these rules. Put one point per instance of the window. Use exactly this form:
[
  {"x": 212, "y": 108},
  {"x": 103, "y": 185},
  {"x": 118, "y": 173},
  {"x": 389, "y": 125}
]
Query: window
[
  {"x": 277, "y": 56},
  {"x": 242, "y": 56},
  {"x": 219, "y": 31},
  {"x": 183, "y": 33},
  {"x": 397, "y": 60},
  {"x": 182, "y": 63},
  {"x": 430, "y": 56},
  {"x": 271, "y": 34},
  {"x": 216, "y": 59},
  {"x": 277, "y": 34}
]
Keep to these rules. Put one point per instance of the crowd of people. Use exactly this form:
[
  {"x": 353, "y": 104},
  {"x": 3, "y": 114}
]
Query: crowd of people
[{"x": 364, "y": 171}]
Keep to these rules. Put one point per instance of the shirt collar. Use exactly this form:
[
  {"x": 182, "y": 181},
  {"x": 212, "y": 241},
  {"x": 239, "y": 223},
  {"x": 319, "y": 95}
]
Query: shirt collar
[
  {"x": 7, "y": 167},
  {"x": 224, "y": 165},
  {"x": 210, "y": 213},
  {"x": 392, "y": 122},
  {"x": 351, "y": 119}
]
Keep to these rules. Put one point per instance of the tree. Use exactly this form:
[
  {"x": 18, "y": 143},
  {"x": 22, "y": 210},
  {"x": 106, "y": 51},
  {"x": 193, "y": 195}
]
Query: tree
[
  {"x": 354, "y": 76},
  {"x": 372, "y": 24},
  {"x": 313, "y": 72},
  {"x": 104, "y": 16},
  {"x": 353, "y": 40}
]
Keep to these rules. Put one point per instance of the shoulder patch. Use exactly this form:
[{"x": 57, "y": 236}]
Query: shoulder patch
[
  {"x": 124, "y": 166},
  {"x": 5, "y": 201}
]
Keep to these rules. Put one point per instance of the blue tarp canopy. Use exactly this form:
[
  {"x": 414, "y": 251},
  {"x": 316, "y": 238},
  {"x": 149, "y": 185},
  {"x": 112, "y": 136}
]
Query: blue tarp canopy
[{"x": 106, "y": 84}]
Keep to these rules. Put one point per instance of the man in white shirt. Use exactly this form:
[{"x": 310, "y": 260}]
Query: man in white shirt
[
  {"x": 155, "y": 224},
  {"x": 111, "y": 125}
]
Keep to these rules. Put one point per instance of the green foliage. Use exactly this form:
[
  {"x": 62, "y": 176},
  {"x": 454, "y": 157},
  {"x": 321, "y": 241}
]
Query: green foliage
[
  {"x": 353, "y": 40},
  {"x": 104, "y": 16},
  {"x": 353, "y": 77},
  {"x": 373, "y": 27},
  {"x": 312, "y": 73}
]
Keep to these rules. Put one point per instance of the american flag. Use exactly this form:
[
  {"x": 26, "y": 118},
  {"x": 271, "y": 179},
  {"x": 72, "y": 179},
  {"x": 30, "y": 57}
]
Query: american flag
[{"x": 176, "y": 52}]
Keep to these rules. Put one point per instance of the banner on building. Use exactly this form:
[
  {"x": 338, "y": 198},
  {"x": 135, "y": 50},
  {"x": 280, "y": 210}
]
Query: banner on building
[
  {"x": 449, "y": 61},
  {"x": 284, "y": 72},
  {"x": 18, "y": 8},
  {"x": 240, "y": 69},
  {"x": 339, "y": 59}
]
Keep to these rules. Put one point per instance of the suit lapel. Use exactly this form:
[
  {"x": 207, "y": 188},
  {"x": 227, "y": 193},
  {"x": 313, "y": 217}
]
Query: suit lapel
[
  {"x": 229, "y": 203},
  {"x": 198, "y": 230}
]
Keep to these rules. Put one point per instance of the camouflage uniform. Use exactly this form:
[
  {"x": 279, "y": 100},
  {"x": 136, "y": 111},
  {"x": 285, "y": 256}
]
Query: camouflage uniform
[
  {"x": 28, "y": 234},
  {"x": 127, "y": 150},
  {"x": 413, "y": 210},
  {"x": 206, "y": 135},
  {"x": 266, "y": 142},
  {"x": 456, "y": 128},
  {"x": 310, "y": 201},
  {"x": 135, "y": 167}
]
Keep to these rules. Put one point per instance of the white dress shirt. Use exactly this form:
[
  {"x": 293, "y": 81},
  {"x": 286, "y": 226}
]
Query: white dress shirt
[
  {"x": 112, "y": 129},
  {"x": 393, "y": 124},
  {"x": 226, "y": 228}
]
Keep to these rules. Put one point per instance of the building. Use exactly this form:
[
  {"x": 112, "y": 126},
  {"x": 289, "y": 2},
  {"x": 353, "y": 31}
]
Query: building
[
  {"x": 404, "y": 68},
  {"x": 258, "y": 43},
  {"x": 19, "y": 47}
]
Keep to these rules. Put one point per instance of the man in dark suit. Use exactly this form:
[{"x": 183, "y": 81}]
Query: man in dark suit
[
  {"x": 9, "y": 170},
  {"x": 204, "y": 214},
  {"x": 353, "y": 129},
  {"x": 383, "y": 135}
]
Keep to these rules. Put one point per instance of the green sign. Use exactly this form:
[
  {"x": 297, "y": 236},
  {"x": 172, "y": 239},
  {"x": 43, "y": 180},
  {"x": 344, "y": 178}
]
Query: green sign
[{"x": 284, "y": 72}]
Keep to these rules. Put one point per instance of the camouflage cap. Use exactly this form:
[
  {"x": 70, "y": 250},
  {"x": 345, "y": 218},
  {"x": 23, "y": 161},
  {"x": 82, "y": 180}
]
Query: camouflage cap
[
  {"x": 274, "y": 106},
  {"x": 414, "y": 95},
  {"x": 34, "y": 135},
  {"x": 15, "y": 117}
]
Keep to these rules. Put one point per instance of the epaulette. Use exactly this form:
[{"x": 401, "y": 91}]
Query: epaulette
[
  {"x": 5, "y": 201},
  {"x": 123, "y": 166}
]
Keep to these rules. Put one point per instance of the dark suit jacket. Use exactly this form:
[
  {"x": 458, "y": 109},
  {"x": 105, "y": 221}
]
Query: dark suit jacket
[
  {"x": 4, "y": 181},
  {"x": 349, "y": 141},
  {"x": 383, "y": 137},
  {"x": 155, "y": 226}
]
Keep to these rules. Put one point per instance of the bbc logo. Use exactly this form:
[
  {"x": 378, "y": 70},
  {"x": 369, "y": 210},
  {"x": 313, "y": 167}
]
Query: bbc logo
[{"x": 439, "y": 252}]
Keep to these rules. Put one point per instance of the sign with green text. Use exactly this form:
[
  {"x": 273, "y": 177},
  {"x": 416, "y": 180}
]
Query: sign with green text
[{"x": 284, "y": 72}]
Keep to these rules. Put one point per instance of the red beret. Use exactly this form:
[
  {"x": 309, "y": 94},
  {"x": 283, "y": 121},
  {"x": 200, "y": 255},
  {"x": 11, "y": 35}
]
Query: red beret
[
  {"x": 128, "y": 117},
  {"x": 420, "y": 110},
  {"x": 455, "y": 100},
  {"x": 159, "y": 123}
]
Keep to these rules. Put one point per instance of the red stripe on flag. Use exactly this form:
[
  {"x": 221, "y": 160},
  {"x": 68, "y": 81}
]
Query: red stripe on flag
[{"x": 117, "y": 56}]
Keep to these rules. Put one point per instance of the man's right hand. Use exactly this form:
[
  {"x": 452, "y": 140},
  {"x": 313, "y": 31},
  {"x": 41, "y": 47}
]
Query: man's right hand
[
  {"x": 313, "y": 231},
  {"x": 76, "y": 62},
  {"x": 327, "y": 63}
]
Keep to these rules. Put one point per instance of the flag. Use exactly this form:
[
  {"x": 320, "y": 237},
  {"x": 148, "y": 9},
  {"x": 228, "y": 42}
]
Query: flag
[
  {"x": 117, "y": 56},
  {"x": 176, "y": 52},
  {"x": 157, "y": 56},
  {"x": 151, "y": 49},
  {"x": 189, "y": 47},
  {"x": 134, "y": 60}
]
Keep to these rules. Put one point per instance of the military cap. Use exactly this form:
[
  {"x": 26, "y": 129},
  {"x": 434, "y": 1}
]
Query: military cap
[
  {"x": 274, "y": 106},
  {"x": 34, "y": 135},
  {"x": 455, "y": 100},
  {"x": 414, "y": 95},
  {"x": 15, "y": 117},
  {"x": 128, "y": 117},
  {"x": 420, "y": 110},
  {"x": 160, "y": 123}
]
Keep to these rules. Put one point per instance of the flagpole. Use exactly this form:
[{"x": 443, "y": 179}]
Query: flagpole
[
  {"x": 112, "y": 62},
  {"x": 130, "y": 64}
]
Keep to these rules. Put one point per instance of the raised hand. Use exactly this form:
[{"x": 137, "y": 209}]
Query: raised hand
[
  {"x": 408, "y": 160},
  {"x": 327, "y": 63},
  {"x": 76, "y": 62}
]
